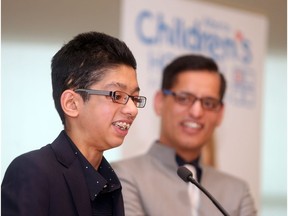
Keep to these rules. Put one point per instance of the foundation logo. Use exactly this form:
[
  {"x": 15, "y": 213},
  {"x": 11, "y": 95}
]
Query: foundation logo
[
  {"x": 242, "y": 87},
  {"x": 167, "y": 37},
  {"x": 206, "y": 35}
]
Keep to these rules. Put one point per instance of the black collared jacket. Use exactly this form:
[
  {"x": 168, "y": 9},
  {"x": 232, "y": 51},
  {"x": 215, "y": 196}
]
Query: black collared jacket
[{"x": 49, "y": 182}]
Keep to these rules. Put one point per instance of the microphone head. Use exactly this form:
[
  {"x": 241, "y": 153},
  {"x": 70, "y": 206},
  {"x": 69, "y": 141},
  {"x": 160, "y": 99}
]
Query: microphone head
[{"x": 184, "y": 173}]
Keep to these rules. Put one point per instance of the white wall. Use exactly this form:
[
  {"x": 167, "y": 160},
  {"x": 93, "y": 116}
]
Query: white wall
[
  {"x": 274, "y": 136},
  {"x": 29, "y": 119}
]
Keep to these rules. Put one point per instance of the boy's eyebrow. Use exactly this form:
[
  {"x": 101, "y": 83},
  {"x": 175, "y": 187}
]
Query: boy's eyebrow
[{"x": 122, "y": 86}]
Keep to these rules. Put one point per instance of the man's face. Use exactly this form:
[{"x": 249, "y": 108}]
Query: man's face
[
  {"x": 101, "y": 123},
  {"x": 188, "y": 127}
]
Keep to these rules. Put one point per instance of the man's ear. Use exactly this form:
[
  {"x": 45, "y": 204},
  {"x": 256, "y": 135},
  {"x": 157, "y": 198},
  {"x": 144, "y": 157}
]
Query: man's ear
[
  {"x": 70, "y": 103},
  {"x": 158, "y": 102},
  {"x": 220, "y": 115}
]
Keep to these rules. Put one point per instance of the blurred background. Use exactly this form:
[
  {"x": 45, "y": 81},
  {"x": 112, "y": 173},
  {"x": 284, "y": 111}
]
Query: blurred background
[{"x": 33, "y": 31}]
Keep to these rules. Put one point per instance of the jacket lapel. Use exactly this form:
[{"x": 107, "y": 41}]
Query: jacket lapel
[
  {"x": 73, "y": 174},
  {"x": 77, "y": 185}
]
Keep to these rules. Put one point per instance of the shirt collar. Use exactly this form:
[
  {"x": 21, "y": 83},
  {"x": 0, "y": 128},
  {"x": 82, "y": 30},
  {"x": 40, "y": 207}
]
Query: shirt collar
[
  {"x": 103, "y": 180},
  {"x": 181, "y": 162}
]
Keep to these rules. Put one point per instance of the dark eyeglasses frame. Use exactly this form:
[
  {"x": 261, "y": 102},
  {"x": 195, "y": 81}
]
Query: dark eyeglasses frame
[
  {"x": 113, "y": 95},
  {"x": 193, "y": 99}
]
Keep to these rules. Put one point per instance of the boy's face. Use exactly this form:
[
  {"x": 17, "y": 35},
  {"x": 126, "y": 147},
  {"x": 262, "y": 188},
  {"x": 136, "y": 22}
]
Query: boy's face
[
  {"x": 101, "y": 123},
  {"x": 188, "y": 127}
]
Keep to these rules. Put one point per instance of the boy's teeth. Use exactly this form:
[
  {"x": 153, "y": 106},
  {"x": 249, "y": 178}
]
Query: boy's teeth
[{"x": 122, "y": 125}]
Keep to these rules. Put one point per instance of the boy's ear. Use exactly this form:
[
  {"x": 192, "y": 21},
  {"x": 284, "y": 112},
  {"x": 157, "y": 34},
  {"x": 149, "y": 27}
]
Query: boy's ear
[{"x": 70, "y": 103}]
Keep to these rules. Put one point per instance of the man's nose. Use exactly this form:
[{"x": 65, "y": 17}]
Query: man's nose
[{"x": 196, "y": 108}]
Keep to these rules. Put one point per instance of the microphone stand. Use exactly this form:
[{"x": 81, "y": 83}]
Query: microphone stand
[{"x": 216, "y": 203}]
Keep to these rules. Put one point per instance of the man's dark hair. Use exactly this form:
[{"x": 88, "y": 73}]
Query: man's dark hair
[
  {"x": 191, "y": 63},
  {"x": 84, "y": 60}
]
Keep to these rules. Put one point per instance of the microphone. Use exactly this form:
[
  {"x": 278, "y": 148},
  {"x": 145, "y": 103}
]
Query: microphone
[{"x": 187, "y": 176}]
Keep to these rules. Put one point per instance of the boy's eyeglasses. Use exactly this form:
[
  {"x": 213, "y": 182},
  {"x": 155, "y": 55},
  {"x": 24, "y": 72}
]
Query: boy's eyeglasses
[
  {"x": 117, "y": 96},
  {"x": 207, "y": 103}
]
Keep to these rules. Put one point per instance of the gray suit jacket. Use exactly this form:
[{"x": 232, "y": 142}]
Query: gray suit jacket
[{"x": 152, "y": 187}]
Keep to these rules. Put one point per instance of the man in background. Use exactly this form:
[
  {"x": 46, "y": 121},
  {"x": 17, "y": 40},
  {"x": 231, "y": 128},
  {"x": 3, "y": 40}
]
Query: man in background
[{"x": 190, "y": 106}]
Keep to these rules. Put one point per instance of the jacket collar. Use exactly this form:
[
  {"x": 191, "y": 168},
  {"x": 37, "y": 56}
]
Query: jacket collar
[
  {"x": 73, "y": 174},
  {"x": 167, "y": 156},
  {"x": 63, "y": 150}
]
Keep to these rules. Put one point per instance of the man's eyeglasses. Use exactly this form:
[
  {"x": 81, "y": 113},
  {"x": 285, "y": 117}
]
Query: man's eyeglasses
[
  {"x": 187, "y": 99},
  {"x": 117, "y": 96}
]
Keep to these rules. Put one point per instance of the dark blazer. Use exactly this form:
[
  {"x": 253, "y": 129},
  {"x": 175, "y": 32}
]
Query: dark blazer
[{"x": 48, "y": 181}]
